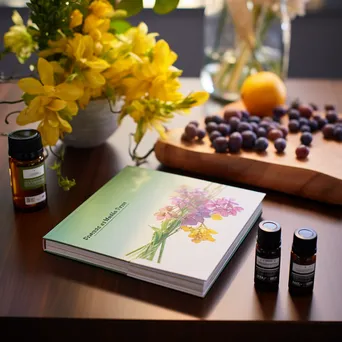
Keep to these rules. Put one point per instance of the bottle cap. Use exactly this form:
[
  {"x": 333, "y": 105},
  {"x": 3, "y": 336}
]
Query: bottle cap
[
  {"x": 269, "y": 234},
  {"x": 304, "y": 241},
  {"x": 25, "y": 144}
]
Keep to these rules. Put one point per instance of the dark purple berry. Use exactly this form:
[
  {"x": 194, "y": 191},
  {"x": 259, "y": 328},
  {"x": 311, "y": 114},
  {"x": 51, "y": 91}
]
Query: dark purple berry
[
  {"x": 212, "y": 126},
  {"x": 261, "y": 132},
  {"x": 294, "y": 126},
  {"x": 191, "y": 131},
  {"x": 195, "y": 123},
  {"x": 306, "y": 138},
  {"x": 275, "y": 134},
  {"x": 220, "y": 144},
  {"x": 217, "y": 119},
  {"x": 248, "y": 139},
  {"x": 302, "y": 152},
  {"x": 316, "y": 117},
  {"x": 235, "y": 142},
  {"x": 261, "y": 144},
  {"x": 214, "y": 134},
  {"x": 224, "y": 129},
  {"x": 339, "y": 121},
  {"x": 278, "y": 113},
  {"x": 280, "y": 145},
  {"x": 264, "y": 124},
  {"x": 244, "y": 115},
  {"x": 208, "y": 119},
  {"x": 294, "y": 114},
  {"x": 328, "y": 107},
  {"x": 234, "y": 123},
  {"x": 229, "y": 113},
  {"x": 313, "y": 106},
  {"x": 305, "y": 128},
  {"x": 185, "y": 137},
  {"x": 255, "y": 119},
  {"x": 313, "y": 124},
  {"x": 338, "y": 133},
  {"x": 331, "y": 116},
  {"x": 254, "y": 126},
  {"x": 200, "y": 134},
  {"x": 328, "y": 131},
  {"x": 305, "y": 111},
  {"x": 303, "y": 121},
  {"x": 244, "y": 126},
  {"x": 295, "y": 104},
  {"x": 284, "y": 130},
  {"x": 322, "y": 122}
]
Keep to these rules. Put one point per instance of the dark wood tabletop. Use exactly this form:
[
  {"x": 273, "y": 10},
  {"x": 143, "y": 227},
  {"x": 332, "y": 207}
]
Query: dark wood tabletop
[{"x": 41, "y": 290}]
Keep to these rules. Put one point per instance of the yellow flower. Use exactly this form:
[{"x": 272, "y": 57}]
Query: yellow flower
[
  {"x": 200, "y": 97},
  {"x": 155, "y": 76},
  {"x": 76, "y": 19},
  {"x": 49, "y": 103},
  {"x": 95, "y": 26},
  {"x": 200, "y": 234},
  {"x": 55, "y": 46},
  {"x": 140, "y": 40},
  {"x": 87, "y": 66},
  {"x": 102, "y": 9},
  {"x": 18, "y": 40},
  {"x": 216, "y": 217}
]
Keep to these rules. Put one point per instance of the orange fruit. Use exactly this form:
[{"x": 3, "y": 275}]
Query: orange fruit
[{"x": 263, "y": 91}]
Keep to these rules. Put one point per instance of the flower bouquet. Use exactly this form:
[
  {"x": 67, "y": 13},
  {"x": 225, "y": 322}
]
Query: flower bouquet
[
  {"x": 88, "y": 51},
  {"x": 189, "y": 211}
]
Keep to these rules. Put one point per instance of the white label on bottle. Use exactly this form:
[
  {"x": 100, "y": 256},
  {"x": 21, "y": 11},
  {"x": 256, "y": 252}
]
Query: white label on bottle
[
  {"x": 268, "y": 263},
  {"x": 34, "y": 172},
  {"x": 303, "y": 269},
  {"x": 35, "y": 199}
]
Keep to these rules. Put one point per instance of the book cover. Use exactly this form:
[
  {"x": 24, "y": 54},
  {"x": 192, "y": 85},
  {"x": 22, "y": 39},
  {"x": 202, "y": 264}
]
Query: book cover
[{"x": 166, "y": 222}]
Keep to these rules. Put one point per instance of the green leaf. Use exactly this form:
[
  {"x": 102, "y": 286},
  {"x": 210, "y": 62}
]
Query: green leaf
[
  {"x": 120, "y": 25},
  {"x": 132, "y": 7},
  {"x": 165, "y": 6}
]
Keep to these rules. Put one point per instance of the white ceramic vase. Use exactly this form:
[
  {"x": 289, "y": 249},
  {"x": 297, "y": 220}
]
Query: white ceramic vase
[{"x": 92, "y": 126}]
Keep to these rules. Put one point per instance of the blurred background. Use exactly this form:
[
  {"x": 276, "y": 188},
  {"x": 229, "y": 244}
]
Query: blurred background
[{"x": 316, "y": 49}]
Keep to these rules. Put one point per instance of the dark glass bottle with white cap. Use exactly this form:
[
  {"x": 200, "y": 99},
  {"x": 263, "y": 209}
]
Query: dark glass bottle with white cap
[
  {"x": 303, "y": 261},
  {"x": 267, "y": 256},
  {"x": 27, "y": 169}
]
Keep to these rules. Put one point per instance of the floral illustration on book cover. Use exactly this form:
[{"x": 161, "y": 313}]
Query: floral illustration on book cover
[{"x": 190, "y": 211}]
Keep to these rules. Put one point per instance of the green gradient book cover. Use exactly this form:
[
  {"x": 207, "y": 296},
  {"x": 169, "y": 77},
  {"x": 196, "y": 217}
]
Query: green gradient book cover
[{"x": 160, "y": 221}]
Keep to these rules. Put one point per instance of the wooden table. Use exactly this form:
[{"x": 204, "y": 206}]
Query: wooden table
[{"x": 35, "y": 285}]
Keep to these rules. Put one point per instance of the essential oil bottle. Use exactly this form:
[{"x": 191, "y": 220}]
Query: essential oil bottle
[
  {"x": 27, "y": 170},
  {"x": 267, "y": 256},
  {"x": 303, "y": 262}
]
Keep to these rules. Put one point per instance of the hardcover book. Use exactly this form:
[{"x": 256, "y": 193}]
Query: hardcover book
[{"x": 166, "y": 229}]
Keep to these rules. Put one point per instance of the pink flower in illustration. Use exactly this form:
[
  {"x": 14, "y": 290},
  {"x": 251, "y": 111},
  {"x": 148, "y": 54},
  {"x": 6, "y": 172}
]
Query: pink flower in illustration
[
  {"x": 164, "y": 213},
  {"x": 224, "y": 207}
]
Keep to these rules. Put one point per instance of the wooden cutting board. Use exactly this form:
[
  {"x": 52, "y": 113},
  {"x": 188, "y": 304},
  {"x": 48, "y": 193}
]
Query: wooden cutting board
[{"x": 319, "y": 177}]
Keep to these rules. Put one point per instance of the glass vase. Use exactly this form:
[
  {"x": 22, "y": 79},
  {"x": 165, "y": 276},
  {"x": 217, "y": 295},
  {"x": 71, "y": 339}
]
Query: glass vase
[{"x": 243, "y": 37}]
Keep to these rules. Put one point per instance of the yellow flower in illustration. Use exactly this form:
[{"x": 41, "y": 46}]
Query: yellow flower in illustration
[
  {"x": 48, "y": 102},
  {"x": 76, "y": 19},
  {"x": 18, "y": 39},
  {"x": 216, "y": 217},
  {"x": 200, "y": 233}
]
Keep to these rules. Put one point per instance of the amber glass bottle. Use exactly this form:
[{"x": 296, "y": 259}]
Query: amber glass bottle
[
  {"x": 27, "y": 170},
  {"x": 303, "y": 262},
  {"x": 267, "y": 256}
]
